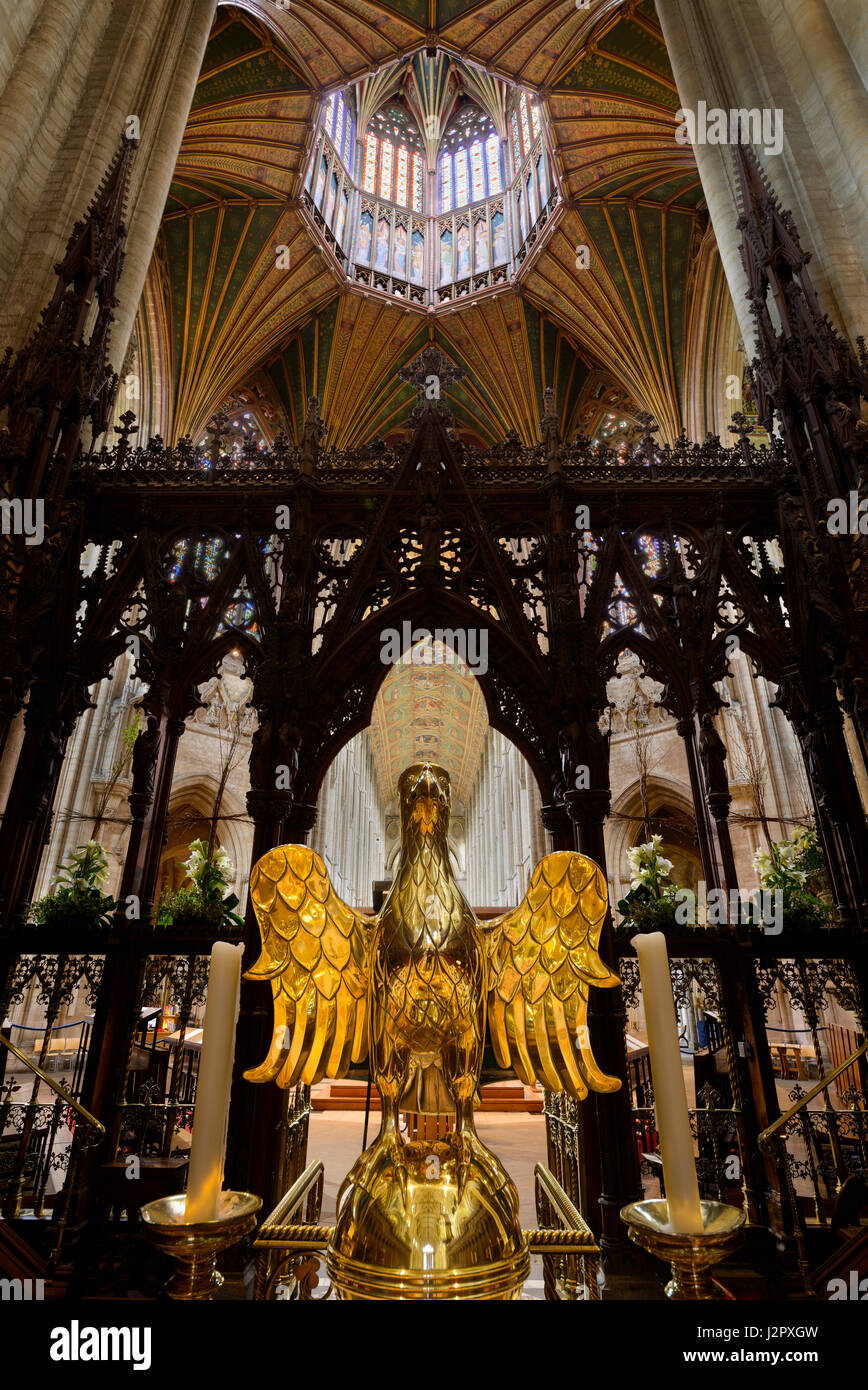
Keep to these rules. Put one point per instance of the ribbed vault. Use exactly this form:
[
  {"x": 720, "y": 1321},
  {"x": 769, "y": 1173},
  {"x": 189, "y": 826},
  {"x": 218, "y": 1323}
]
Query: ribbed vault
[{"x": 224, "y": 313}]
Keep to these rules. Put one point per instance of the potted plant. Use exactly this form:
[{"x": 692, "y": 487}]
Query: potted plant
[
  {"x": 206, "y": 902},
  {"x": 650, "y": 904},
  {"x": 796, "y": 866},
  {"x": 76, "y": 897}
]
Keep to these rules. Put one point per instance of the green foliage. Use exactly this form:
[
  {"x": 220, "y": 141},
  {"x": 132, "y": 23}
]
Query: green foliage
[
  {"x": 76, "y": 894},
  {"x": 650, "y": 904},
  {"x": 797, "y": 867},
  {"x": 206, "y": 900}
]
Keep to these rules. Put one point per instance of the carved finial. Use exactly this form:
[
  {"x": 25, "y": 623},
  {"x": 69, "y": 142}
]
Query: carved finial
[
  {"x": 550, "y": 431},
  {"x": 430, "y": 372},
  {"x": 313, "y": 434}
]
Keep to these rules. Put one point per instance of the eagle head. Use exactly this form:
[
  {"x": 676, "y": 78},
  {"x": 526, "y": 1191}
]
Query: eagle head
[{"x": 425, "y": 797}]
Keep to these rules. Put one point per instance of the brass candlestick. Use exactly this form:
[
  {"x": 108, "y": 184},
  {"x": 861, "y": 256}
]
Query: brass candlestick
[
  {"x": 691, "y": 1254},
  {"x": 194, "y": 1246}
]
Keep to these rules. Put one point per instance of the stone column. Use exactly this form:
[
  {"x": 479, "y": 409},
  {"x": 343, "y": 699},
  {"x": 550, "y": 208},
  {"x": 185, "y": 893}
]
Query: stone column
[
  {"x": 789, "y": 55},
  {"x": 84, "y": 67}
]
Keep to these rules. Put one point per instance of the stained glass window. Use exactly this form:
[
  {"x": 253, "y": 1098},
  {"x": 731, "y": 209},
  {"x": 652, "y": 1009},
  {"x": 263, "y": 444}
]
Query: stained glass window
[
  {"x": 403, "y": 167},
  {"x": 543, "y": 180},
  {"x": 492, "y": 159},
  {"x": 649, "y": 555},
  {"x": 200, "y": 558},
  {"x": 534, "y": 119},
  {"x": 418, "y": 172},
  {"x": 339, "y": 123},
  {"x": 445, "y": 182},
  {"x": 386, "y": 153},
  {"x": 460, "y": 178},
  {"x": 470, "y": 160},
  {"x": 476, "y": 171},
  {"x": 347, "y": 150},
  {"x": 525, "y": 125},
  {"x": 516, "y": 147},
  {"x": 329, "y": 117},
  {"x": 370, "y": 164}
]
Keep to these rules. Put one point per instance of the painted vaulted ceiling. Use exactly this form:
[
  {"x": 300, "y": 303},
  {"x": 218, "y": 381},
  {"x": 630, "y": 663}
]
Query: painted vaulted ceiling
[
  {"x": 220, "y": 315},
  {"x": 428, "y": 709}
]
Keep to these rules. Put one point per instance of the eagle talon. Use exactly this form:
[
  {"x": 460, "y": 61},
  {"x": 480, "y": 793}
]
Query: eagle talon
[{"x": 463, "y": 1175}]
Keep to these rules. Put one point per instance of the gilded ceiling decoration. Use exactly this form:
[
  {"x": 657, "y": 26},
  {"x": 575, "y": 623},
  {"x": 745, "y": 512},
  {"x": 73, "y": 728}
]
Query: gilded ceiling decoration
[{"x": 228, "y": 315}]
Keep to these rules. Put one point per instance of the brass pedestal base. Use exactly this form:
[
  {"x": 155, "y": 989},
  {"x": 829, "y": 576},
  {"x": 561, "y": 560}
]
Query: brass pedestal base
[
  {"x": 194, "y": 1247},
  {"x": 499, "y": 1282},
  {"x": 690, "y": 1255},
  {"x": 446, "y": 1227}
]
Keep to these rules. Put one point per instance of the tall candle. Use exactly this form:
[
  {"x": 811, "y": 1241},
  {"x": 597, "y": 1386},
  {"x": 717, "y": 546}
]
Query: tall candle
[
  {"x": 211, "y": 1117},
  {"x": 667, "y": 1075}
]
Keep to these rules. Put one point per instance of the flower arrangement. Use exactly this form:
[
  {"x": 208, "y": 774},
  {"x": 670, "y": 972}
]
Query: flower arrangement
[
  {"x": 206, "y": 901},
  {"x": 76, "y": 896},
  {"x": 797, "y": 867},
  {"x": 651, "y": 902}
]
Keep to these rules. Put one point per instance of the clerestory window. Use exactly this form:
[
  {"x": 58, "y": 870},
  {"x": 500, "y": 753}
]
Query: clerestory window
[{"x": 470, "y": 167}]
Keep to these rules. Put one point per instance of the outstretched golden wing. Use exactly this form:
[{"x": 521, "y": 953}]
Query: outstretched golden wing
[
  {"x": 543, "y": 961},
  {"x": 314, "y": 952}
]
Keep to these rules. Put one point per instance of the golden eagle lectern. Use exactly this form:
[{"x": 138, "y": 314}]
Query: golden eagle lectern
[{"x": 411, "y": 989}]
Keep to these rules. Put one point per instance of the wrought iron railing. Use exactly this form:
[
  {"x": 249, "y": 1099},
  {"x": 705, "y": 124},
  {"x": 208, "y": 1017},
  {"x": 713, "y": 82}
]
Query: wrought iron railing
[
  {"x": 291, "y": 1240},
  {"x": 569, "y": 1250},
  {"x": 717, "y": 1134},
  {"x": 34, "y": 1127},
  {"x": 819, "y": 1150},
  {"x": 564, "y": 1147}
]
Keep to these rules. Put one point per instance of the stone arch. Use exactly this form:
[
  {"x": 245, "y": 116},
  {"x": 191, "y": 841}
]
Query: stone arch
[
  {"x": 188, "y": 819},
  {"x": 355, "y": 673},
  {"x": 672, "y": 816}
]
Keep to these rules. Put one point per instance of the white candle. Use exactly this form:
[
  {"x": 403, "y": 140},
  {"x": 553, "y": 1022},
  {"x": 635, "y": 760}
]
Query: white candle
[
  {"x": 667, "y": 1075},
  {"x": 211, "y": 1117}
]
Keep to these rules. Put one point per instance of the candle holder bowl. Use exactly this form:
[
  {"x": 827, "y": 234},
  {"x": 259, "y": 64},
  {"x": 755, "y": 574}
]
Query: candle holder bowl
[
  {"x": 691, "y": 1254},
  {"x": 194, "y": 1246}
]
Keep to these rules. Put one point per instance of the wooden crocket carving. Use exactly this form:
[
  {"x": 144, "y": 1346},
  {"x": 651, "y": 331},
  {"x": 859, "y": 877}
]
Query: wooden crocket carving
[{"x": 412, "y": 987}]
